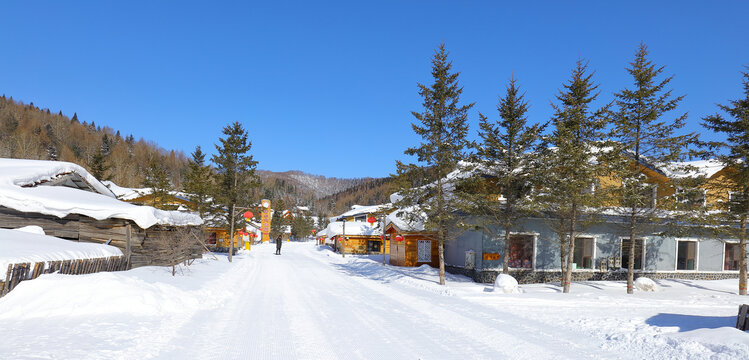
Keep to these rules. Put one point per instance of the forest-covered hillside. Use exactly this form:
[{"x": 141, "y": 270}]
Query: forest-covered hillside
[{"x": 30, "y": 132}]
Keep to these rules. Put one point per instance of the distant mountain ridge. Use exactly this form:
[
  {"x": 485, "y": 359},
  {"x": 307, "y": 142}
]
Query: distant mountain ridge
[{"x": 302, "y": 186}]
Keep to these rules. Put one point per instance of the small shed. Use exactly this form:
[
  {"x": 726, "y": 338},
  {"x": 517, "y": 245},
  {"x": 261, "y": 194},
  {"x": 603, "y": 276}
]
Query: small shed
[{"x": 417, "y": 248}]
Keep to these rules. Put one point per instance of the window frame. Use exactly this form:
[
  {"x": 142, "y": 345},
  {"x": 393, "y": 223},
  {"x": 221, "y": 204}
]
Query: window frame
[
  {"x": 643, "y": 252},
  {"x": 593, "y": 255},
  {"x": 534, "y": 241},
  {"x": 725, "y": 244},
  {"x": 696, "y": 254}
]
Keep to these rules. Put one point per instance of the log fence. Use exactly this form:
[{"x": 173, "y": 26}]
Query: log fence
[{"x": 29, "y": 271}]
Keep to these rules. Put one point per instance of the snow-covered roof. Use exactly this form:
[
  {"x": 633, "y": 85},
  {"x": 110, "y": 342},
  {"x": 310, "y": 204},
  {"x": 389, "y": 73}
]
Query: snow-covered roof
[
  {"x": 30, "y": 244},
  {"x": 362, "y": 210},
  {"x": 706, "y": 168},
  {"x": 126, "y": 194},
  {"x": 61, "y": 188},
  {"x": 352, "y": 228},
  {"x": 401, "y": 219}
]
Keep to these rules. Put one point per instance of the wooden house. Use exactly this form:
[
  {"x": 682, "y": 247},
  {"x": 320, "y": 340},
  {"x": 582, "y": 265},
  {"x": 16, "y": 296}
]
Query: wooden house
[
  {"x": 417, "y": 246},
  {"x": 354, "y": 237},
  {"x": 69, "y": 203}
]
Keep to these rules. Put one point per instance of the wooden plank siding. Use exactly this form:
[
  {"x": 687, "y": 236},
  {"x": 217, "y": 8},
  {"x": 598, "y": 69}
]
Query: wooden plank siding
[
  {"x": 357, "y": 244},
  {"x": 142, "y": 249},
  {"x": 406, "y": 252}
]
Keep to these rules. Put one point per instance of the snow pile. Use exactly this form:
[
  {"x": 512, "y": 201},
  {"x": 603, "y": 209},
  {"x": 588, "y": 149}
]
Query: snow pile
[
  {"x": 506, "y": 284},
  {"x": 20, "y": 190},
  {"x": 645, "y": 284},
  {"x": 29, "y": 244}
]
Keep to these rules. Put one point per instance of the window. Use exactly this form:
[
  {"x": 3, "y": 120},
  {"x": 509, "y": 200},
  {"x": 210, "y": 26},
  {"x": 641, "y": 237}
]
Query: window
[
  {"x": 626, "y": 245},
  {"x": 373, "y": 246},
  {"x": 731, "y": 257},
  {"x": 583, "y": 256},
  {"x": 520, "y": 252},
  {"x": 686, "y": 255},
  {"x": 425, "y": 251}
]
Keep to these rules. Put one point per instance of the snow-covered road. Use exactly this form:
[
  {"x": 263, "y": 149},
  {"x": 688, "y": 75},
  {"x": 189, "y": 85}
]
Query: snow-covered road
[
  {"x": 310, "y": 303},
  {"x": 298, "y": 306}
]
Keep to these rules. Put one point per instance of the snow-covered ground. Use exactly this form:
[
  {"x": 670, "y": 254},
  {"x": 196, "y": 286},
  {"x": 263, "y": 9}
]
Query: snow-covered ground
[{"x": 310, "y": 303}]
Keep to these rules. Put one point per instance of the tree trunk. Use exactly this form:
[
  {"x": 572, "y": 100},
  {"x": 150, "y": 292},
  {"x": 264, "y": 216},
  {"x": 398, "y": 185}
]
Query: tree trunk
[
  {"x": 742, "y": 256},
  {"x": 567, "y": 276},
  {"x": 441, "y": 247},
  {"x": 505, "y": 262},
  {"x": 631, "y": 265},
  {"x": 231, "y": 234}
]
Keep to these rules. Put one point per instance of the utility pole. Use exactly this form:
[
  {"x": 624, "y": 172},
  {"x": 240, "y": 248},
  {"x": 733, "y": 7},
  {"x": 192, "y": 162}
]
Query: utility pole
[{"x": 343, "y": 248}]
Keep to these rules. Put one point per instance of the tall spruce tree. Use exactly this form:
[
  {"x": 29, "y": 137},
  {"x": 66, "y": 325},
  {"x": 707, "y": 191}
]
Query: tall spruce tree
[
  {"x": 571, "y": 163},
  {"x": 507, "y": 160},
  {"x": 199, "y": 182},
  {"x": 278, "y": 221},
  {"x": 733, "y": 152},
  {"x": 643, "y": 136},
  {"x": 443, "y": 127},
  {"x": 157, "y": 179},
  {"x": 236, "y": 176},
  {"x": 99, "y": 166}
]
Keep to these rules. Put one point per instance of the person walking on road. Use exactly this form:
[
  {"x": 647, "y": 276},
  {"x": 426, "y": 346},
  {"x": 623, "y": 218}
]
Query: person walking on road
[{"x": 278, "y": 245}]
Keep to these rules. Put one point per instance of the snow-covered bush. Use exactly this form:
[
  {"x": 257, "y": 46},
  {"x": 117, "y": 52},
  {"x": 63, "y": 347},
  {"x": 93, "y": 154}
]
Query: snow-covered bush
[
  {"x": 645, "y": 284},
  {"x": 506, "y": 284}
]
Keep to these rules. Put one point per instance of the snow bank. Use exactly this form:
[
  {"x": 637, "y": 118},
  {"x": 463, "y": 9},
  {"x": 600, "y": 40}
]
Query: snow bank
[
  {"x": 115, "y": 293},
  {"x": 17, "y": 191},
  {"x": 506, "y": 284},
  {"x": 28, "y": 245},
  {"x": 645, "y": 284}
]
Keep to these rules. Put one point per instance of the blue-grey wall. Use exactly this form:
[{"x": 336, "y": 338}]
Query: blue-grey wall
[{"x": 660, "y": 251}]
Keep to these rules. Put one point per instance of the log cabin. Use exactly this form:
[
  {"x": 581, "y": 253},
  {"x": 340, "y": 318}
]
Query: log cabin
[{"x": 69, "y": 203}]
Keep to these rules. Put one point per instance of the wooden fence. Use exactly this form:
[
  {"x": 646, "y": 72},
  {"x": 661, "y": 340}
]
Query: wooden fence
[{"x": 28, "y": 271}]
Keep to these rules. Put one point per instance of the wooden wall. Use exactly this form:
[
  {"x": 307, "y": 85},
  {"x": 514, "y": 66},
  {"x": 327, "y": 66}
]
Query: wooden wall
[
  {"x": 406, "y": 252},
  {"x": 137, "y": 244}
]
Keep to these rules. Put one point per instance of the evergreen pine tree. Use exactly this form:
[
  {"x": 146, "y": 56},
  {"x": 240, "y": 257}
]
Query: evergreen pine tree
[
  {"x": 235, "y": 176},
  {"x": 157, "y": 179},
  {"x": 570, "y": 174},
  {"x": 735, "y": 157},
  {"x": 277, "y": 220},
  {"x": 643, "y": 136},
  {"x": 198, "y": 182},
  {"x": 99, "y": 166},
  {"x": 75, "y": 118},
  {"x": 442, "y": 127},
  {"x": 508, "y": 156}
]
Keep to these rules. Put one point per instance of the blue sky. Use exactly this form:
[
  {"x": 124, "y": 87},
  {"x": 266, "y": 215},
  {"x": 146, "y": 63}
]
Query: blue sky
[{"x": 328, "y": 87}]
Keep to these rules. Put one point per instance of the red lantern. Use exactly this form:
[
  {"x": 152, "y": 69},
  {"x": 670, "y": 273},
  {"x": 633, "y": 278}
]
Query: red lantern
[
  {"x": 248, "y": 215},
  {"x": 382, "y": 237},
  {"x": 371, "y": 220},
  {"x": 313, "y": 232},
  {"x": 399, "y": 238}
]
